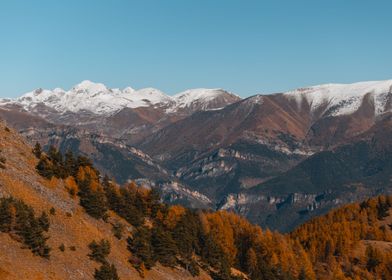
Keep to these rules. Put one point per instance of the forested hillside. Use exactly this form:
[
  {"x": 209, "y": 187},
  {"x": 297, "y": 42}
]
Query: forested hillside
[{"x": 61, "y": 219}]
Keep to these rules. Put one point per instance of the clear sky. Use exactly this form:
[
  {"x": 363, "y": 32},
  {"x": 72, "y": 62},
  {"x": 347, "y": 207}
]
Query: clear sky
[{"x": 244, "y": 46}]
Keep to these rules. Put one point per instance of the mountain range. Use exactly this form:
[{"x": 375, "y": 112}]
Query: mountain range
[
  {"x": 61, "y": 219},
  {"x": 277, "y": 159}
]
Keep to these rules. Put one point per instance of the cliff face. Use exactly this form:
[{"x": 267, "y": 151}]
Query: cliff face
[{"x": 351, "y": 172}]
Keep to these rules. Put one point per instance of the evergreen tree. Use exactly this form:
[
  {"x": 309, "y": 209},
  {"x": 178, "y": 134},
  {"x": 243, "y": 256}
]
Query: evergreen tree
[
  {"x": 44, "y": 221},
  {"x": 211, "y": 251},
  {"x": 45, "y": 168},
  {"x": 140, "y": 246},
  {"x": 99, "y": 251},
  {"x": 7, "y": 215},
  {"x": 118, "y": 230},
  {"x": 154, "y": 201},
  {"x": 19, "y": 218},
  {"x": 70, "y": 165},
  {"x": 106, "y": 272},
  {"x": 127, "y": 208},
  {"x": 164, "y": 247},
  {"x": 83, "y": 161},
  {"x": 113, "y": 197},
  {"x": 92, "y": 200},
  {"x": 186, "y": 235},
  {"x": 34, "y": 238}
]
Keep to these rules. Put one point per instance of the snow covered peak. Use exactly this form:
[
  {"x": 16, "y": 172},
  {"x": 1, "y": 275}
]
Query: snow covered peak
[
  {"x": 202, "y": 97},
  {"x": 128, "y": 90},
  {"x": 343, "y": 99},
  {"x": 90, "y": 87},
  {"x": 98, "y": 99},
  {"x": 91, "y": 97}
]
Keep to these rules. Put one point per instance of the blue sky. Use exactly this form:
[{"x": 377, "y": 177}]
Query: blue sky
[{"x": 247, "y": 47}]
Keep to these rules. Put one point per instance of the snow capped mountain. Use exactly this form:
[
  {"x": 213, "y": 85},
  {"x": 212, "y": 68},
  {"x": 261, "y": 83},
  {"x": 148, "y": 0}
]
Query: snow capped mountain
[
  {"x": 101, "y": 100},
  {"x": 93, "y": 97},
  {"x": 201, "y": 97},
  {"x": 87, "y": 96},
  {"x": 90, "y": 87},
  {"x": 344, "y": 99}
]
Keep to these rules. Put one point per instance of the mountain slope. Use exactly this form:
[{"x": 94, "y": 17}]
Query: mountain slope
[
  {"x": 345, "y": 174},
  {"x": 74, "y": 222},
  {"x": 266, "y": 134},
  {"x": 70, "y": 225},
  {"x": 352, "y": 242}
]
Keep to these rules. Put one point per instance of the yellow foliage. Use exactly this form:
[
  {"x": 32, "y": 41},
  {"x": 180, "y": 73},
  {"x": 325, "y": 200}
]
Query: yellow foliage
[
  {"x": 174, "y": 215},
  {"x": 53, "y": 182},
  {"x": 71, "y": 186}
]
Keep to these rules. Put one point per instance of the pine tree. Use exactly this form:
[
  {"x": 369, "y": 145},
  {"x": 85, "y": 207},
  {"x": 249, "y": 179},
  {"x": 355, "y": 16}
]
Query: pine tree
[
  {"x": 140, "y": 246},
  {"x": 186, "y": 235},
  {"x": 70, "y": 165},
  {"x": 92, "y": 196},
  {"x": 118, "y": 230},
  {"x": 30, "y": 229},
  {"x": 45, "y": 168},
  {"x": 44, "y": 221},
  {"x": 34, "y": 238},
  {"x": 211, "y": 251},
  {"x": 164, "y": 247},
  {"x": 7, "y": 215},
  {"x": 99, "y": 251},
  {"x": 113, "y": 196},
  {"x": 154, "y": 201},
  {"x": 106, "y": 272}
]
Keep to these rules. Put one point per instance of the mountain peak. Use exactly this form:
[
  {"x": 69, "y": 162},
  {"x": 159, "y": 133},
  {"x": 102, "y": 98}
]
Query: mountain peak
[
  {"x": 90, "y": 87},
  {"x": 203, "y": 96}
]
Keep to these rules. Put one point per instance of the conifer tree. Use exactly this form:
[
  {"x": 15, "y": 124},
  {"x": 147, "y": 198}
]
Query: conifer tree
[
  {"x": 140, "y": 246},
  {"x": 45, "y": 168},
  {"x": 164, "y": 247},
  {"x": 92, "y": 196},
  {"x": 118, "y": 230},
  {"x": 7, "y": 215},
  {"x": 99, "y": 250},
  {"x": 186, "y": 235},
  {"x": 19, "y": 218},
  {"x": 34, "y": 238},
  {"x": 70, "y": 165},
  {"x": 106, "y": 272},
  {"x": 44, "y": 221}
]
